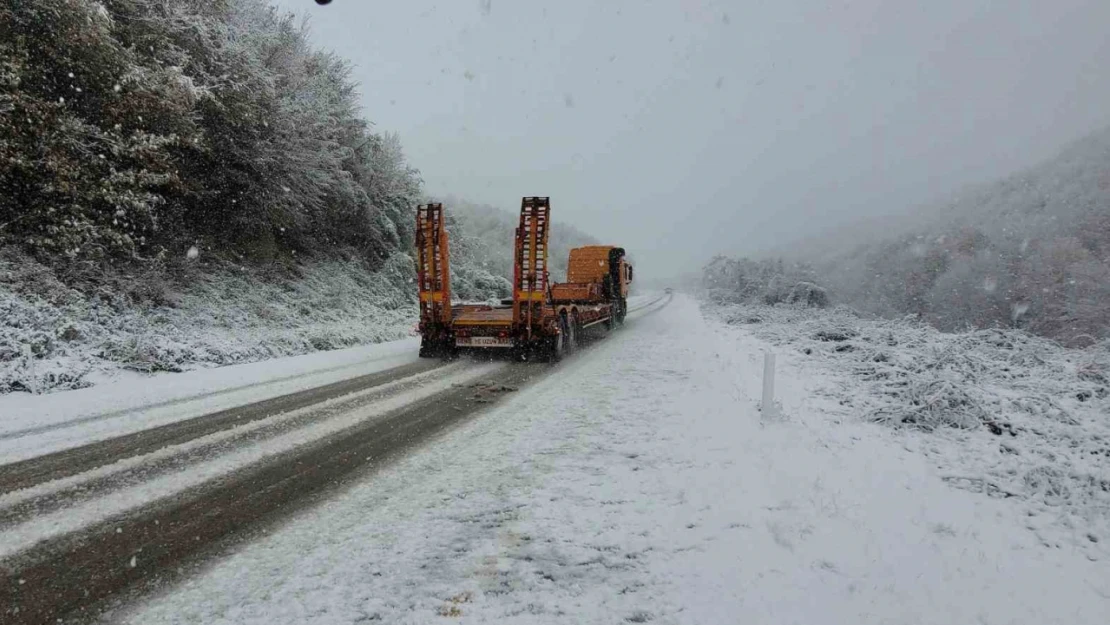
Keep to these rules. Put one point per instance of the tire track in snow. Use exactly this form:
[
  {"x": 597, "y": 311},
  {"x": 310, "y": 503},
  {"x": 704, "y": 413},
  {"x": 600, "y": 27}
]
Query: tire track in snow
[
  {"x": 49, "y": 497},
  {"x": 69, "y": 462},
  {"x": 65, "y": 576},
  {"x": 115, "y": 414}
]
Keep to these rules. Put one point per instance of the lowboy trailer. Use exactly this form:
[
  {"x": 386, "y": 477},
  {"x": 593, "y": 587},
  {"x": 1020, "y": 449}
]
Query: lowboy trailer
[{"x": 542, "y": 321}]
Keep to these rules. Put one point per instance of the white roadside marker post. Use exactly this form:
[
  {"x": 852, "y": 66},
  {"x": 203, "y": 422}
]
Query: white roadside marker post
[
  {"x": 768, "y": 406},
  {"x": 29, "y": 367}
]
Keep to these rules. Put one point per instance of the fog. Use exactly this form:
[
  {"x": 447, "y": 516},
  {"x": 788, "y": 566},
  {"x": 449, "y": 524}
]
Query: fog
[{"x": 685, "y": 128}]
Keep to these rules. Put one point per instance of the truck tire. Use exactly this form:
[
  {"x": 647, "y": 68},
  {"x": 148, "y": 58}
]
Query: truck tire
[
  {"x": 437, "y": 348},
  {"x": 448, "y": 351},
  {"x": 571, "y": 325},
  {"x": 557, "y": 345},
  {"x": 429, "y": 348}
]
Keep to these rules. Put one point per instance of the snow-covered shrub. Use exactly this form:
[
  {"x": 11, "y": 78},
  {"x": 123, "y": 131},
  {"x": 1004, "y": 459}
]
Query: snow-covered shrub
[
  {"x": 808, "y": 294},
  {"x": 206, "y": 316},
  {"x": 762, "y": 281},
  {"x": 475, "y": 284}
]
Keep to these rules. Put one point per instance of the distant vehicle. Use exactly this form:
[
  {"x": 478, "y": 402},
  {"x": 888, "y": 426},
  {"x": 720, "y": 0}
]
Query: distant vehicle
[
  {"x": 668, "y": 290},
  {"x": 541, "y": 321}
]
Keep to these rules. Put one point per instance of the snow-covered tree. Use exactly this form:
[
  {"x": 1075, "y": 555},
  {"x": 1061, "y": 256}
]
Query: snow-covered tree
[{"x": 132, "y": 125}]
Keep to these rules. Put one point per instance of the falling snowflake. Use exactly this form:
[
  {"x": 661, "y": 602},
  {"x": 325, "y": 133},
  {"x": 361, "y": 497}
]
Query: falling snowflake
[
  {"x": 192, "y": 253},
  {"x": 134, "y": 561}
]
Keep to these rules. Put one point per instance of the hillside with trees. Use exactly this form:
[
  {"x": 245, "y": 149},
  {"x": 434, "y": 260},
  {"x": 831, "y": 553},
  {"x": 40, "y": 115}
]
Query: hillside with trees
[
  {"x": 1030, "y": 251},
  {"x": 191, "y": 183}
]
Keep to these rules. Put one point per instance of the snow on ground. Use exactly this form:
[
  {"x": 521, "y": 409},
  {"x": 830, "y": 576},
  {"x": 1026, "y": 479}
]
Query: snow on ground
[
  {"x": 998, "y": 412},
  {"x": 129, "y": 327},
  {"x": 640, "y": 484},
  {"x": 25, "y": 535},
  {"x": 32, "y": 425}
]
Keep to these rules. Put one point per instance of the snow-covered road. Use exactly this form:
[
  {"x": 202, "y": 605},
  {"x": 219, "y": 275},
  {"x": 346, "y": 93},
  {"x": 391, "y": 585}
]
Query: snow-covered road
[
  {"x": 33, "y": 425},
  {"x": 98, "y": 503},
  {"x": 639, "y": 484}
]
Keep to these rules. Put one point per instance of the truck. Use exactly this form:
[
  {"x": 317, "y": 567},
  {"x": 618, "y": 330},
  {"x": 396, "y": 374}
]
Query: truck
[{"x": 542, "y": 320}]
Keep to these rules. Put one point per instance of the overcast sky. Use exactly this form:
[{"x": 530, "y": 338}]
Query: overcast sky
[{"x": 684, "y": 128}]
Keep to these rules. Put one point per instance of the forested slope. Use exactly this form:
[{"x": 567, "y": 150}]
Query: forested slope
[
  {"x": 138, "y": 128},
  {"x": 187, "y": 182},
  {"x": 191, "y": 183},
  {"x": 1032, "y": 250},
  {"x": 1029, "y": 251}
]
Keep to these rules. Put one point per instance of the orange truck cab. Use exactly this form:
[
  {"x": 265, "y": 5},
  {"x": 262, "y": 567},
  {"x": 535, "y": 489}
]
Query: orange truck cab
[{"x": 596, "y": 273}]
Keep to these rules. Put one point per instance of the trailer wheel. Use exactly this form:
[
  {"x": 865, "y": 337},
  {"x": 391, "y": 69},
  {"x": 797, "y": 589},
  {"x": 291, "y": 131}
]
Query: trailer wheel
[
  {"x": 437, "y": 348},
  {"x": 430, "y": 348},
  {"x": 571, "y": 324},
  {"x": 448, "y": 351},
  {"x": 557, "y": 345}
]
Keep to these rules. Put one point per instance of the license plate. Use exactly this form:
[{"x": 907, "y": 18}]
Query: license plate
[{"x": 482, "y": 341}]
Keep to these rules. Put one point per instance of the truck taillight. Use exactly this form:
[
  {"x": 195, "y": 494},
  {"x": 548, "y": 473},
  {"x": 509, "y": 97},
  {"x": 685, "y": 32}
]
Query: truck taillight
[
  {"x": 463, "y": 333},
  {"x": 503, "y": 334}
]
